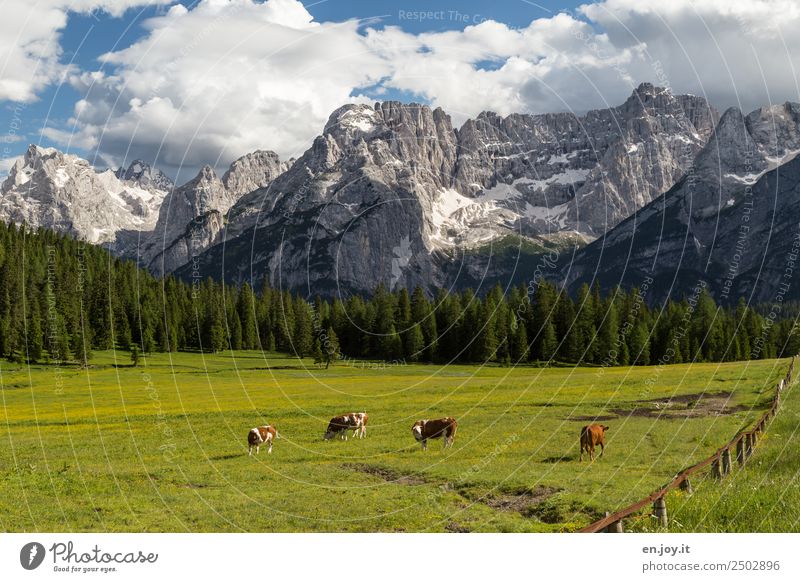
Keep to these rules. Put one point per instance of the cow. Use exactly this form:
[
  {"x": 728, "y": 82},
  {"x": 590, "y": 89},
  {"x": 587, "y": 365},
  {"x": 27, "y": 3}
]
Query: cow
[
  {"x": 260, "y": 435},
  {"x": 339, "y": 425},
  {"x": 434, "y": 429},
  {"x": 591, "y": 435}
]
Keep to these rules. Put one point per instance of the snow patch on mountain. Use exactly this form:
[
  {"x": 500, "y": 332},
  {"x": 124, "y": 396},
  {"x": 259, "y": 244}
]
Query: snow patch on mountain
[{"x": 63, "y": 192}]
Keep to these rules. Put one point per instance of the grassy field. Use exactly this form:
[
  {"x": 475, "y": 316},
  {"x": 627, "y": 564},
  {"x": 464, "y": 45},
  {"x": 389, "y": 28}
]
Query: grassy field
[
  {"x": 163, "y": 447},
  {"x": 762, "y": 497}
]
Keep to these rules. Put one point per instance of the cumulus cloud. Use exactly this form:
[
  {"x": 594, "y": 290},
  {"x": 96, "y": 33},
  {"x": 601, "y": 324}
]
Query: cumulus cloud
[
  {"x": 210, "y": 83},
  {"x": 29, "y": 42},
  {"x": 735, "y": 52}
]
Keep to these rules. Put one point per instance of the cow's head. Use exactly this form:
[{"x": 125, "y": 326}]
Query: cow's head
[
  {"x": 605, "y": 428},
  {"x": 417, "y": 429},
  {"x": 329, "y": 434}
]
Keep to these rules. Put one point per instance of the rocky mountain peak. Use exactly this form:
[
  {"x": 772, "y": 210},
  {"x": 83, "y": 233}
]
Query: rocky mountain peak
[
  {"x": 731, "y": 152},
  {"x": 252, "y": 171},
  {"x": 143, "y": 174},
  {"x": 192, "y": 216},
  {"x": 48, "y": 188},
  {"x": 775, "y": 129},
  {"x": 352, "y": 119},
  {"x": 206, "y": 174}
]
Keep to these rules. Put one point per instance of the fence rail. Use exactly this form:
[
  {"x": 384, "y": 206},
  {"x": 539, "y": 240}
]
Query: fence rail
[{"x": 720, "y": 462}]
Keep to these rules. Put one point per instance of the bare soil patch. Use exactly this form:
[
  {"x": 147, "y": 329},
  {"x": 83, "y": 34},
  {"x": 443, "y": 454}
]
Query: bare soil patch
[
  {"x": 684, "y": 406},
  {"x": 388, "y": 475},
  {"x": 596, "y": 418},
  {"x": 522, "y": 500}
]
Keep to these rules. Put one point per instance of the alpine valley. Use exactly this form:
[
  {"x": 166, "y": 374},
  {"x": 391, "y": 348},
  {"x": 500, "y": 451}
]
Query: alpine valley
[{"x": 657, "y": 188}]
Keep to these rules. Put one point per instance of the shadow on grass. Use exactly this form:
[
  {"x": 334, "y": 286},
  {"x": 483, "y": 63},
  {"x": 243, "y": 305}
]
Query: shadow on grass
[
  {"x": 227, "y": 457},
  {"x": 560, "y": 459}
]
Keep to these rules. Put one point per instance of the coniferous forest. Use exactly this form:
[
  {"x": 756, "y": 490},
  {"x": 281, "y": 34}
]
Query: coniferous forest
[{"x": 60, "y": 299}]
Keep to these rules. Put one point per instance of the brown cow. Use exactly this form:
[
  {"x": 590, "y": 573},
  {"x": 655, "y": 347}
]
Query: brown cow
[
  {"x": 357, "y": 421},
  {"x": 260, "y": 435},
  {"x": 591, "y": 435},
  {"x": 434, "y": 429}
]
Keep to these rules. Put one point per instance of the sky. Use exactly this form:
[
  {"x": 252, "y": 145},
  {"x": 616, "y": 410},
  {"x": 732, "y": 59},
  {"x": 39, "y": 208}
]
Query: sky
[{"x": 183, "y": 84}]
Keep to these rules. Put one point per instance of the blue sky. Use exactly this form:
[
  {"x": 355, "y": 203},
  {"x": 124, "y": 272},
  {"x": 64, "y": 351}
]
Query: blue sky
[
  {"x": 88, "y": 36},
  {"x": 181, "y": 108}
]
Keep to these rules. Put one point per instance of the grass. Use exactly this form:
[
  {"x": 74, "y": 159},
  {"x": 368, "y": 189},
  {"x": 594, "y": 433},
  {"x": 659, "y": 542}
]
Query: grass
[
  {"x": 761, "y": 497},
  {"x": 163, "y": 447}
]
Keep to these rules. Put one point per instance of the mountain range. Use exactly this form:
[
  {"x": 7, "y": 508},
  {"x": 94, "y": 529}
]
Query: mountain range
[{"x": 658, "y": 188}]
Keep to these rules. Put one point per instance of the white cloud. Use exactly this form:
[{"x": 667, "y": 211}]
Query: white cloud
[
  {"x": 207, "y": 84},
  {"x": 735, "y": 52},
  {"x": 5, "y": 166},
  {"x": 29, "y": 41}
]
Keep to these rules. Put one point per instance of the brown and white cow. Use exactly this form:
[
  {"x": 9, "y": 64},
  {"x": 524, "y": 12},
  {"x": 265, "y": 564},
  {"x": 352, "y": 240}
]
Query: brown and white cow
[
  {"x": 339, "y": 425},
  {"x": 434, "y": 429},
  {"x": 591, "y": 435},
  {"x": 259, "y": 436}
]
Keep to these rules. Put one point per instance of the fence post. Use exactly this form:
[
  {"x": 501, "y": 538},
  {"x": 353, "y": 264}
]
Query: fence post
[
  {"x": 748, "y": 445},
  {"x": 686, "y": 486},
  {"x": 715, "y": 472},
  {"x": 615, "y": 527},
  {"x": 740, "y": 451},
  {"x": 726, "y": 462},
  {"x": 660, "y": 511}
]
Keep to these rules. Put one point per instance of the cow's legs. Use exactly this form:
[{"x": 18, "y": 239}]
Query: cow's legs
[
  {"x": 269, "y": 450},
  {"x": 602, "y": 449},
  {"x": 258, "y": 448},
  {"x": 250, "y": 450},
  {"x": 424, "y": 445}
]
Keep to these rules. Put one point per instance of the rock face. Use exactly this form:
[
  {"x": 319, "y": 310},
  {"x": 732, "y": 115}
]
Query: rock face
[
  {"x": 560, "y": 172},
  {"x": 394, "y": 194},
  {"x": 46, "y": 188},
  {"x": 731, "y": 223},
  {"x": 145, "y": 176},
  {"x": 192, "y": 216}
]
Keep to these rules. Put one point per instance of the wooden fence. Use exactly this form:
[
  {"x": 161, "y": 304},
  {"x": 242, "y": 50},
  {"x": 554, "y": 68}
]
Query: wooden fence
[{"x": 720, "y": 463}]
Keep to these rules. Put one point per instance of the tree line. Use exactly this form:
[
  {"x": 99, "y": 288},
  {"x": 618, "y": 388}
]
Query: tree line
[{"x": 60, "y": 299}]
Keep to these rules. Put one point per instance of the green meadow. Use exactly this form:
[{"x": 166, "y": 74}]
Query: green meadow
[
  {"x": 162, "y": 447},
  {"x": 761, "y": 497}
]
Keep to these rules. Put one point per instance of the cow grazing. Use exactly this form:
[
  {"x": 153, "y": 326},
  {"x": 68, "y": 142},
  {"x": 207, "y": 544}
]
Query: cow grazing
[
  {"x": 591, "y": 435},
  {"x": 434, "y": 429},
  {"x": 339, "y": 425},
  {"x": 259, "y": 436}
]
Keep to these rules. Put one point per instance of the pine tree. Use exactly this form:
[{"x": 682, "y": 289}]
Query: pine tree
[
  {"x": 519, "y": 344},
  {"x": 82, "y": 342},
  {"x": 486, "y": 344},
  {"x": 331, "y": 349},
  {"x": 302, "y": 338},
  {"x": 585, "y": 329},
  {"x": 35, "y": 341},
  {"x": 415, "y": 343},
  {"x": 236, "y": 332},
  {"x": 246, "y": 309}
]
